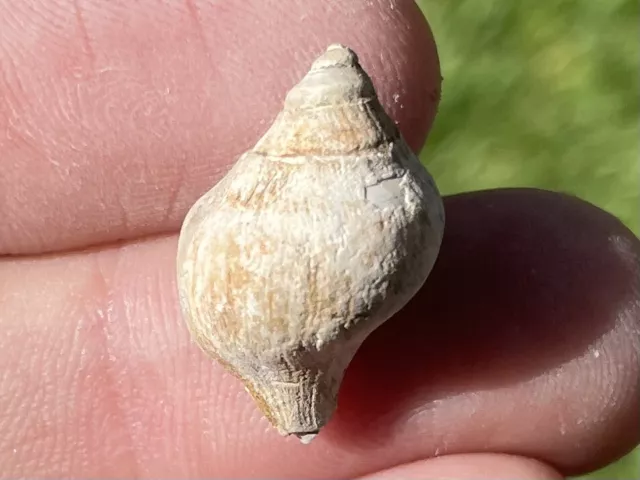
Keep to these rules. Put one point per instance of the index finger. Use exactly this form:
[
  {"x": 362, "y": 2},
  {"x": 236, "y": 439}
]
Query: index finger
[{"x": 118, "y": 116}]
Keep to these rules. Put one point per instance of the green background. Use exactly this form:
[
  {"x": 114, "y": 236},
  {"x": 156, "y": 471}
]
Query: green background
[{"x": 541, "y": 94}]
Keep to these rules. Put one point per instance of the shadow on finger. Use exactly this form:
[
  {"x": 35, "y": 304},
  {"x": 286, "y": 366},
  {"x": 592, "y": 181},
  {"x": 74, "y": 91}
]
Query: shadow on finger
[{"x": 530, "y": 288}]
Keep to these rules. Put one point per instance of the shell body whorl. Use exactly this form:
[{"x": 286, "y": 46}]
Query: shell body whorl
[{"x": 314, "y": 238}]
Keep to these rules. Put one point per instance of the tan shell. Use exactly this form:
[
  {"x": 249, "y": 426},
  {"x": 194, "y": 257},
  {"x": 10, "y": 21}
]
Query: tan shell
[{"x": 315, "y": 237}]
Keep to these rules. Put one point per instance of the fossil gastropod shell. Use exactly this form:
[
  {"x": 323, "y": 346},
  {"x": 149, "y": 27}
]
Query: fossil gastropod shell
[{"x": 315, "y": 237}]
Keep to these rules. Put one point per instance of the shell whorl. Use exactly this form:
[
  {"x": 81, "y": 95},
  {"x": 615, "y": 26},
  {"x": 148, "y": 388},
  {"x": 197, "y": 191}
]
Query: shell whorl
[
  {"x": 335, "y": 78},
  {"x": 334, "y": 110}
]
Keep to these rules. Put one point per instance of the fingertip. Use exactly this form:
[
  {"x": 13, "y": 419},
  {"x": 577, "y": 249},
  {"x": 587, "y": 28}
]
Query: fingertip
[
  {"x": 166, "y": 96},
  {"x": 526, "y": 329}
]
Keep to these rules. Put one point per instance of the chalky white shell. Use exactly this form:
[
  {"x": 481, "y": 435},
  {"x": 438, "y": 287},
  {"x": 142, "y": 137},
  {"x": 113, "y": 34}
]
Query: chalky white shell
[{"x": 315, "y": 237}]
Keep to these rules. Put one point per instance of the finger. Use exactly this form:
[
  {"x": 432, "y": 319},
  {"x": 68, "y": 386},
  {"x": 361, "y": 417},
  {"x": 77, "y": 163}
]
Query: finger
[
  {"x": 117, "y": 116},
  {"x": 471, "y": 467},
  {"x": 524, "y": 341}
]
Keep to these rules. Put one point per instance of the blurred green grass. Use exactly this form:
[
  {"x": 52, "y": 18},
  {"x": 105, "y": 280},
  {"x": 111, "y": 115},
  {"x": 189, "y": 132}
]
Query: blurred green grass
[{"x": 541, "y": 94}]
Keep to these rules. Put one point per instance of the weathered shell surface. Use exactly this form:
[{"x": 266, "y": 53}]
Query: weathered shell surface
[{"x": 314, "y": 238}]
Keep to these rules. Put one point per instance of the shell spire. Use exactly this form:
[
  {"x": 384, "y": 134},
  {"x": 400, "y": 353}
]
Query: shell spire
[
  {"x": 315, "y": 237},
  {"x": 333, "y": 110}
]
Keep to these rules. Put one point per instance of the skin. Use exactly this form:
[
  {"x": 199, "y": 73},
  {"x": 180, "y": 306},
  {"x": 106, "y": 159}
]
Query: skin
[{"x": 518, "y": 359}]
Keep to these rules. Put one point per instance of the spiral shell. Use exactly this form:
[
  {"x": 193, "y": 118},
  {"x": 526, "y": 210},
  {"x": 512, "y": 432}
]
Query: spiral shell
[{"x": 316, "y": 236}]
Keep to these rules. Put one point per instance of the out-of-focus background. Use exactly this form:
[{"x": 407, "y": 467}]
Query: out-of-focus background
[{"x": 541, "y": 94}]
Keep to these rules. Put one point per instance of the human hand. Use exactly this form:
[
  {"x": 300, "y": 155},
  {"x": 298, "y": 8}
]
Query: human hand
[{"x": 518, "y": 359}]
